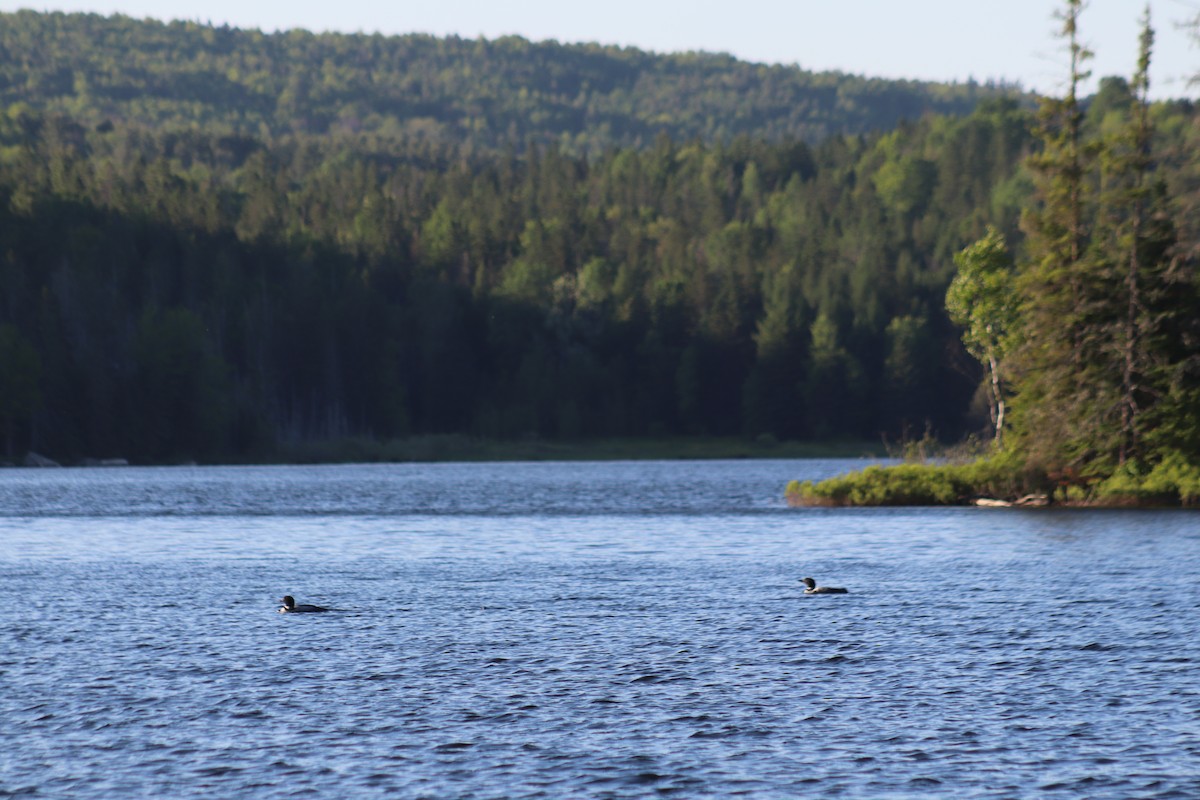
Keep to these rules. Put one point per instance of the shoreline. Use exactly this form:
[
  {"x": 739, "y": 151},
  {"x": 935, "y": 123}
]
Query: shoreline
[
  {"x": 454, "y": 447},
  {"x": 1001, "y": 481}
]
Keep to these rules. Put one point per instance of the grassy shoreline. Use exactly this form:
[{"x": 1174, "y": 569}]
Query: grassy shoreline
[
  {"x": 1005, "y": 480},
  {"x": 454, "y": 447}
]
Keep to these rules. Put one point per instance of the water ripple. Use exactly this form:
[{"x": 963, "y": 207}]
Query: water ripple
[{"x": 599, "y": 654}]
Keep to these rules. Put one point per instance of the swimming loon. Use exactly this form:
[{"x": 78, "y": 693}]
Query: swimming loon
[
  {"x": 289, "y": 606},
  {"x": 814, "y": 589}
]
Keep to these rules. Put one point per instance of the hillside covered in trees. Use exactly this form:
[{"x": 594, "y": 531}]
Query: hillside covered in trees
[
  {"x": 391, "y": 90},
  {"x": 177, "y": 282}
]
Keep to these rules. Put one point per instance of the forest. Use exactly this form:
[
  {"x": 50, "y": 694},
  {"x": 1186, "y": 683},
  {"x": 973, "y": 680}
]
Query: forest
[
  {"x": 190, "y": 272},
  {"x": 1088, "y": 334},
  {"x": 389, "y": 92}
]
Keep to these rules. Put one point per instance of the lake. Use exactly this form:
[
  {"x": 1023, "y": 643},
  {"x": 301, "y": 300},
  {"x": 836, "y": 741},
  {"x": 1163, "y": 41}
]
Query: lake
[{"x": 607, "y": 630}]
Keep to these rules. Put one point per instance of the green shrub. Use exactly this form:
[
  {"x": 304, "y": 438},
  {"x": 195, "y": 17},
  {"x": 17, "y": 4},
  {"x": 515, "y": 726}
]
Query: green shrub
[
  {"x": 900, "y": 485},
  {"x": 1173, "y": 480},
  {"x": 1125, "y": 484},
  {"x": 1002, "y": 475}
]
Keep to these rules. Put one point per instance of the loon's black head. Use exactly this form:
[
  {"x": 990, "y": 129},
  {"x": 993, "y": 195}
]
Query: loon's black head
[{"x": 290, "y": 605}]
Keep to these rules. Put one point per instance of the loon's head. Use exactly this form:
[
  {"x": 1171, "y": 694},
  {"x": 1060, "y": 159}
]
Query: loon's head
[
  {"x": 809, "y": 582},
  {"x": 289, "y": 605}
]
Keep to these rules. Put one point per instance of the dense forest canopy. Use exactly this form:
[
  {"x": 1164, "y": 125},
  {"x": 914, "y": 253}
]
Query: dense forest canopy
[
  {"x": 189, "y": 272},
  {"x": 489, "y": 94}
]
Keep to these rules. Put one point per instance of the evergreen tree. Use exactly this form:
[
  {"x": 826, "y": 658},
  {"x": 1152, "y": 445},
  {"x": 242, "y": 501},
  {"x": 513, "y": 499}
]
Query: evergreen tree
[
  {"x": 1133, "y": 245},
  {"x": 1056, "y": 410}
]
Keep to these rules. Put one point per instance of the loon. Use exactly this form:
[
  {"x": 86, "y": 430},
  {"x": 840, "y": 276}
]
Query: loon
[
  {"x": 814, "y": 589},
  {"x": 289, "y": 606}
]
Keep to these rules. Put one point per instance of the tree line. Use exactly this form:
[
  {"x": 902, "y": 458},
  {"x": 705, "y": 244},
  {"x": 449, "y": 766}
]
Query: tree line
[
  {"x": 177, "y": 295},
  {"x": 203, "y": 292},
  {"x": 389, "y": 90}
]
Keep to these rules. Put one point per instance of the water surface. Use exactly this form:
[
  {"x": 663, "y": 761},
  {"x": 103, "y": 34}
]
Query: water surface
[{"x": 582, "y": 630}]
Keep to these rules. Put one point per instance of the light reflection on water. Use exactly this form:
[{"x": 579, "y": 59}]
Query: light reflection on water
[{"x": 582, "y": 630}]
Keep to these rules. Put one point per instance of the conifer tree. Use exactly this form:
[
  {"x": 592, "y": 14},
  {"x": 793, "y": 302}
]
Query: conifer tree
[
  {"x": 1171, "y": 427},
  {"x": 1054, "y": 404},
  {"x": 1133, "y": 244}
]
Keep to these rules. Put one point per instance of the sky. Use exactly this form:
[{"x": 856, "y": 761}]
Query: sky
[{"x": 938, "y": 40}]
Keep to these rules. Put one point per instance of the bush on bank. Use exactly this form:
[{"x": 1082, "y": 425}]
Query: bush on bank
[
  {"x": 1174, "y": 481},
  {"x": 908, "y": 485}
]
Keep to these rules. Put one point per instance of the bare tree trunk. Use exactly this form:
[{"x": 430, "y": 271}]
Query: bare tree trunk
[{"x": 997, "y": 392}]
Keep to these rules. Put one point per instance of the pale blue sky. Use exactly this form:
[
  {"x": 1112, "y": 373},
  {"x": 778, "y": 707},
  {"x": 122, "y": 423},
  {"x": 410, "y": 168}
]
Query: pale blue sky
[{"x": 940, "y": 40}]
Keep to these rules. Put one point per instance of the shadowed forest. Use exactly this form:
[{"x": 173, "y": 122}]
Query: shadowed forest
[{"x": 216, "y": 242}]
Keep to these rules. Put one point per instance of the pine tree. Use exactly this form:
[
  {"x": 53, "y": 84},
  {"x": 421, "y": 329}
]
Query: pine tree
[
  {"x": 1054, "y": 408},
  {"x": 1133, "y": 244}
]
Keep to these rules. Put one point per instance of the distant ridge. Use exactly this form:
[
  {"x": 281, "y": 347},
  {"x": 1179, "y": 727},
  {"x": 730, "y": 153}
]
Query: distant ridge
[{"x": 485, "y": 94}]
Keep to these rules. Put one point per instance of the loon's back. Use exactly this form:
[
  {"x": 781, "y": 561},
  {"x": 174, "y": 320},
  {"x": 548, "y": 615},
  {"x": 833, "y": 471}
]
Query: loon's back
[{"x": 814, "y": 589}]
